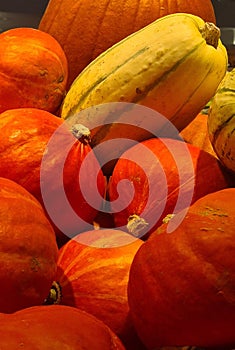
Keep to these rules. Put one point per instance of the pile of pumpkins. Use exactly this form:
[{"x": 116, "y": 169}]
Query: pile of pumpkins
[{"x": 117, "y": 179}]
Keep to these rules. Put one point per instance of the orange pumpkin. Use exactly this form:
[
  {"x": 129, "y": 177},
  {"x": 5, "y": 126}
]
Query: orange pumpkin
[
  {"x": 159, "y": 177},
  {"x": 28, "y": 249},
  {"x": 181, "y": 286},
  {"x": 33, "y": 70},
  {"x": 92, "y": 274},
  {"x": 55, "y": 327},
  {"x": 86, "y": 28},
  {"x": 196, "y": 133},
  {"x": 43, "y": 155}
]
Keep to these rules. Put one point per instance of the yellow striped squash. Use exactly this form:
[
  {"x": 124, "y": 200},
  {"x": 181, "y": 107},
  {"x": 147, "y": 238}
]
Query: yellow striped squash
[
  {"x": 173, "y": 66},
  {"x": 221, "y": 121}
]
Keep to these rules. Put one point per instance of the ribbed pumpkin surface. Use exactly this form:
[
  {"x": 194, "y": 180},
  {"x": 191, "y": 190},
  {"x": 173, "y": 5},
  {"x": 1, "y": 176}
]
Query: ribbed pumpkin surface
[{"x": 85, "y": 28}]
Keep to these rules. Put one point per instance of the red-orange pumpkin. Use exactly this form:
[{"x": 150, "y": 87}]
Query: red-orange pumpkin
[
  {"x": 92, "y": 274},
  {"x": 28, "y": 249},
  {"x": 55, "y": 327},
  {"x": 33, "y": 70},
  {"x": 162, "y": 176},
  {"x": 39, "y": 152},
  {"x": 86, "y": 28},
  {"x": 181, "y": 286}
]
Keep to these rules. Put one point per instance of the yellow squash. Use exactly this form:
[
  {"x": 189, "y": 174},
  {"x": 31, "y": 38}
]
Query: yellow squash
[{"x": 173, "y": 66}]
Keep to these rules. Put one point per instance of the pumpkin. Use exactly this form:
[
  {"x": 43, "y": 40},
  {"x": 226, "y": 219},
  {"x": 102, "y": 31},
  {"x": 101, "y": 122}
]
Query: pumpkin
[
  {"x": 188, "y": 277},
  {"x": 33, "y": 70},
  {"x": 28, "y": 249},
  {"x": 159, "y": 177},
  {"x": 109, "y": 22},
  {"x": 148, "y": 72},
  {"x": 55, "y": 327},
  {"x": 92, "y": 274},
  {"x": 54, "y": 163},
  {"x": 221, "y": 121},
  {"x": 196, "y": 133}
]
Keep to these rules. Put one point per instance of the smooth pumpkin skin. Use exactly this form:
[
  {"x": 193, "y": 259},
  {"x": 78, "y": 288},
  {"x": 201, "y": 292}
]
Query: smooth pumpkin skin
[
  {"x": 56, "y": 327},
  {"x": 25, "y": 135},
  {"x": 196, "y": 133},
  {"x": 198, "y": 172},
  {"x": 221, "y": 122},
  {"x": 28, "y": 249},
  {"x": 93, "y": 271},
  {"x": 188, "y": 277},
  {"x": 33, "y": 70},
  {"x": 109, "y": 22}
]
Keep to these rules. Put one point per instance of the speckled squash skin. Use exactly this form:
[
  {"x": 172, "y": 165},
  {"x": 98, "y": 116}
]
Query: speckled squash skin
[
  {"x": 152, "y": 74},
  {"x": 109, "y": 22},
  {"x": 221, "y": 122}
]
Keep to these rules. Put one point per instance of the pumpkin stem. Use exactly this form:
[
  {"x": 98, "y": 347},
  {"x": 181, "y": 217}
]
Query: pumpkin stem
[
  {"x": 55, "y": 294},
  {"x": 167, "y": 218},
  {"x": 211, "y": 33},
  {"x": 81, "y": 132},
  {"x": 136, "y": 225}
]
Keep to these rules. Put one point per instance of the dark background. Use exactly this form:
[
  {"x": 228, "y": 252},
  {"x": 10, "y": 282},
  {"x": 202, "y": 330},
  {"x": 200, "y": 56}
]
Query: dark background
[
  {"x": 224, "y": 9},
  {"x": 225, "y": 12},
  {"x": 24, "y": 6}
]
